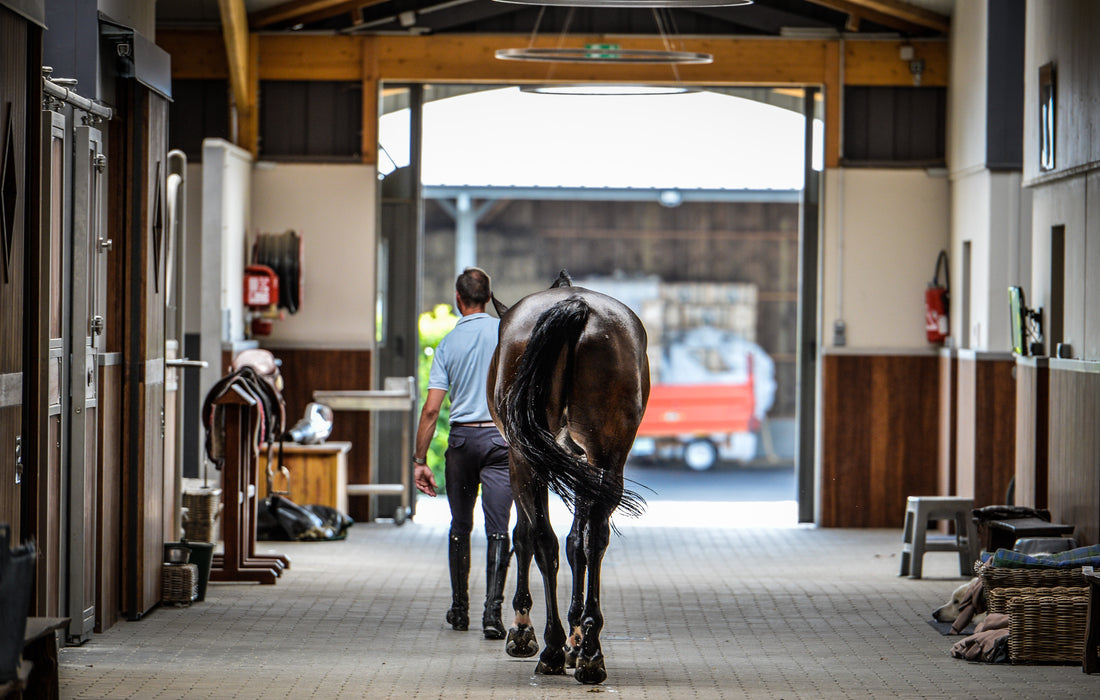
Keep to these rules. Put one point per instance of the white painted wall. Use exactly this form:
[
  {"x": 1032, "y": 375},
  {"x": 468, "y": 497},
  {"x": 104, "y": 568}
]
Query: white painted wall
[
  {"x": 882, "y": 231},
  {"x": 226, "y": 191},
  {"x": 966, "y": 90},
  {"x": 988, "y": 209},
  {"x": 333, "y": 208}
]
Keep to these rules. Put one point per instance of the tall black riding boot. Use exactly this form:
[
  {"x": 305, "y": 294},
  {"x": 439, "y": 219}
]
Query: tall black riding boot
[
  {"x": 496, "y": 571},
  {"x": 458, "y": 556}
]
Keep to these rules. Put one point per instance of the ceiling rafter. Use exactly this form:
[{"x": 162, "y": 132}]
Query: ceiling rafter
[
  {"x": 890, "y": 13},
  {"x": 235, "y": 33},
  {"x": 299, "y": 10}
]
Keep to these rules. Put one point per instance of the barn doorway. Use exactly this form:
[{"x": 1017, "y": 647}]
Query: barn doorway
[{"x": 690, "y": 208}]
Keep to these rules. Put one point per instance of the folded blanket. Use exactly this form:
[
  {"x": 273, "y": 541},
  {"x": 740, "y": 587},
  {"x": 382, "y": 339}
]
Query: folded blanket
[
  {"x": 1009, "y": 513},
  {"x": 990, "y": 646},
  {"x": 972, "y": 603},
  {"x": 992, "y": 621},
  {"x": 1070, "y": 559}
]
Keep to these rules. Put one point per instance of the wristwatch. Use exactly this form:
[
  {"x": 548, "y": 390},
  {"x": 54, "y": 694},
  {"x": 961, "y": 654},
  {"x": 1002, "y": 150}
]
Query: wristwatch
[{"x": 419, "y": 461}]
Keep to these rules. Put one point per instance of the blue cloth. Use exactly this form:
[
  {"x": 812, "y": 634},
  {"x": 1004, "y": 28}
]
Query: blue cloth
[
  {"x": 1070, "y": 559},
  {"x": 461, "y": 366}
]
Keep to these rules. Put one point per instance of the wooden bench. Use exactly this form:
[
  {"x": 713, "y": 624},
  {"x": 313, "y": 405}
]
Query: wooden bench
[{"x": 38, "y": 668}]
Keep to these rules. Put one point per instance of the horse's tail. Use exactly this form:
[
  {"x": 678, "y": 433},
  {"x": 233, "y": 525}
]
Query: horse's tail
[{"x": 565, "y": 472}]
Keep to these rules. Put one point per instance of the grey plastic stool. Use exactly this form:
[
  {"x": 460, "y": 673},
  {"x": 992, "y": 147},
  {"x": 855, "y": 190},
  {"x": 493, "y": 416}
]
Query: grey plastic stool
[{"x": 916, "y": 541}]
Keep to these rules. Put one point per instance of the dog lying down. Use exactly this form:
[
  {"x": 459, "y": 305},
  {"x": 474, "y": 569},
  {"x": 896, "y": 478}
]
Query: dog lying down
[{"x": 967, "y": 605}]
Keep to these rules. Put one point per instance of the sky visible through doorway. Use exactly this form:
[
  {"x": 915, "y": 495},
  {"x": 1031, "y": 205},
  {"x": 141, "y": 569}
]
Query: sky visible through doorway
[{"x": 509, "y": 138}]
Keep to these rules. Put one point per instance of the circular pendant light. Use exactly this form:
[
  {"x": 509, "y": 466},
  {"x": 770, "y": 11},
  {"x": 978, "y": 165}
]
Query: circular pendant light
[
  {"x": 632, "y": 3},
  {"x": 602, "y": 55},
  {"x": 606, "y": 90}
]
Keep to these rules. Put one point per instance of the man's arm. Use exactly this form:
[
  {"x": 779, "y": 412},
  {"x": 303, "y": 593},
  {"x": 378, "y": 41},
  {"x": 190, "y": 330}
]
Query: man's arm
[{"x": 425, "y": 431}]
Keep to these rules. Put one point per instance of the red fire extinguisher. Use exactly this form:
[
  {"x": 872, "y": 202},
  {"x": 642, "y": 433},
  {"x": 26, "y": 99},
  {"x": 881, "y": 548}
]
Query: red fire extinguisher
[{"x": 937, "y": 301}]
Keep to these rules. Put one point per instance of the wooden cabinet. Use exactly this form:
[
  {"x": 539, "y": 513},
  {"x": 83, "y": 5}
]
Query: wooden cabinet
[{"x": 318, "y": 473}]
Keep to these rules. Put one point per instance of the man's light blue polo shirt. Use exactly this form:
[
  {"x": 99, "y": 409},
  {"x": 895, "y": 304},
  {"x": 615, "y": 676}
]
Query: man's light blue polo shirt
[{"x": 461, "y": 366}]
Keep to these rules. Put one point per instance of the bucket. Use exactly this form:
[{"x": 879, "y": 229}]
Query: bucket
[{"x": 202, "y": 555}]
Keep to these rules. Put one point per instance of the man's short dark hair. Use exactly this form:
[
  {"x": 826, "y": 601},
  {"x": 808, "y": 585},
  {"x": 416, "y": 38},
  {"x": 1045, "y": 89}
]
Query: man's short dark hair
[{"x": 473, "y": 287}]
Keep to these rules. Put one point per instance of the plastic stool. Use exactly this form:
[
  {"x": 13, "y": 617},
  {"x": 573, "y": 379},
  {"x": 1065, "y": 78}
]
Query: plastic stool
[{"x": 915, "y": 540}]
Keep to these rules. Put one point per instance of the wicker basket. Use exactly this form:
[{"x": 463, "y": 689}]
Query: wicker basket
[
  {"x": 1047, "y": 625},
  {"x": 998, "y": 599},
  {"x": 179, "y": 583},
  {"x": 1007, "y": 577},
  {"x": 203, "y": 507}
]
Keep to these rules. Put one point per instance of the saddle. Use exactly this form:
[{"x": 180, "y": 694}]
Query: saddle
[{"x": 256, "y": 374}]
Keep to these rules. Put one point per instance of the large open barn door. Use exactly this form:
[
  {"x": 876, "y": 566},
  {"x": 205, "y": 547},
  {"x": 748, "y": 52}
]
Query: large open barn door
[
  {"x": 809, "y": 265},
  {"x": 399, "y": 267},
  {"x": 88, "y": 248},
  {"x": 145, "y": 485},
  {"x": 20, "y": 56}
]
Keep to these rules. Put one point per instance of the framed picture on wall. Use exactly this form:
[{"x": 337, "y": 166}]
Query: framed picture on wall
[{"x": 1047, "y": 102}]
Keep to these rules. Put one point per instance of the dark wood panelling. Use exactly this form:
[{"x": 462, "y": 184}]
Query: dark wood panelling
[
  {"x": 139, "y": 138},
  {"x": 1032, "y": 420},
  {"x": 306, "y": 370},
  {"x": 986, "y": 419},
  {"x": 879, "y": 438},
  {"x": 199, "y": 110},
  {"x": 318, "y": 120},
  {"x": 109, "y": 498},
  {"x": 15, "y": 47},
  {"x": 1074, "y": 455},
  {"x": 894, "y": 125},
  {"x": 948, "y": 433}
]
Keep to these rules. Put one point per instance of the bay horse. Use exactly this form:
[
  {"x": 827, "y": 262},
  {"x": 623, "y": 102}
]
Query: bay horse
[{"x": 567, "y": 387}]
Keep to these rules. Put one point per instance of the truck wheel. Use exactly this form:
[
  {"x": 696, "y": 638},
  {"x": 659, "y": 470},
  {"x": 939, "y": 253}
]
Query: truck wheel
[{"x": 700, "y": 454}]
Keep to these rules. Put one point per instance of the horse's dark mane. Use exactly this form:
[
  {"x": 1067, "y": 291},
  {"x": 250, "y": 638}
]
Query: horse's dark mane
[{"x": 566, "y": 474}]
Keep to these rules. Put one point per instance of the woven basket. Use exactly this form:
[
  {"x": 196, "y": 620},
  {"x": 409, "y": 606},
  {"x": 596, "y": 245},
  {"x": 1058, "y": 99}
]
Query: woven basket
[
  {"x": 179, "y": 583},
  {"x": 1007, "y": 577},
  {"x": 203, "y": 507},
  {"x": 997, "y": 600},
  {"x": 1045, "y": 625}
]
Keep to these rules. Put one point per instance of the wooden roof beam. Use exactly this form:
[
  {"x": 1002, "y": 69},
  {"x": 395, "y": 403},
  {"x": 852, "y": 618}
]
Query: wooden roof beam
[
  {"x": 306, "y": 11},
  {"x": 891, "y": 13},
  {"x": 235, "y": 33}
]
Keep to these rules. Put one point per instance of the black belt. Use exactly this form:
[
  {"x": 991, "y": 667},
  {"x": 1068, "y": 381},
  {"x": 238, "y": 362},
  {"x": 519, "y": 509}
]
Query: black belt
[{"x": 481, "y": 424}]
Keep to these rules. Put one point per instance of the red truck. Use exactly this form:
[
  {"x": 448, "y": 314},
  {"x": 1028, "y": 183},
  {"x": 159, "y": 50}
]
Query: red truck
[{"x": 693, "y": 416}]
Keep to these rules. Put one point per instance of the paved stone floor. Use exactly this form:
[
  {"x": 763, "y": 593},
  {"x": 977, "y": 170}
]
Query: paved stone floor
[{"x": 698, "y": 605}]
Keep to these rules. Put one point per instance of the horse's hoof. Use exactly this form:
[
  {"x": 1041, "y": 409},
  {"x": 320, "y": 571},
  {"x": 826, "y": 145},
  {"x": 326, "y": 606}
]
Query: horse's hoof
[
  {"x": 590, "y": 671},
  {"x": 458, "y": 619},
  {"x": 492, "y": 627},
  {"x": 522, "y": 642},
  {"x": 551, "y": 664},
  {"x": 571, "y": 654}
]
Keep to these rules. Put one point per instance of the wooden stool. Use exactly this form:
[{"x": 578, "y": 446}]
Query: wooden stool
[{"x": 915, "y": 539}]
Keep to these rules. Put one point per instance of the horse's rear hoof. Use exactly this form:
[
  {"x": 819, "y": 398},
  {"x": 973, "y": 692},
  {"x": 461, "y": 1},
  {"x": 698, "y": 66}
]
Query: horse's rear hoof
[
  {"x": 590, "y": 671},
  {"x": 522, "y": 642},
  {"x": 552, "y": 662},
  {"x": 459, "y": 620},
  {"x": 550, "y": 669},
  {"x": 571, "y": 655}
]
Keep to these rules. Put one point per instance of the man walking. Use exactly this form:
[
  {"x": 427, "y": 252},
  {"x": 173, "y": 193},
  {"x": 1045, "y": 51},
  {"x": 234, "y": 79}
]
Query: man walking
[{"x": 476, "y": 455}]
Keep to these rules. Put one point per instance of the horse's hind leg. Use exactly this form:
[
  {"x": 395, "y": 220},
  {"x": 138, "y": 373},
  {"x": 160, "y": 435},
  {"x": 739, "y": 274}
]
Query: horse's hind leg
[
  {"x": 590, "y": 662},
  {"x": 552, "y": 660},
  {"x": 521, "y": 641},
  {"x": 574, "y": 552}
]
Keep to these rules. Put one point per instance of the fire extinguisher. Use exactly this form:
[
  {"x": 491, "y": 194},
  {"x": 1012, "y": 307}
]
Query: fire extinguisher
[{"x": 937, "y": 301}]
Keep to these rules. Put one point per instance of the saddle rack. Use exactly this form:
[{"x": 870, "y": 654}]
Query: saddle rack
[{"x": 399, "y": 394}]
